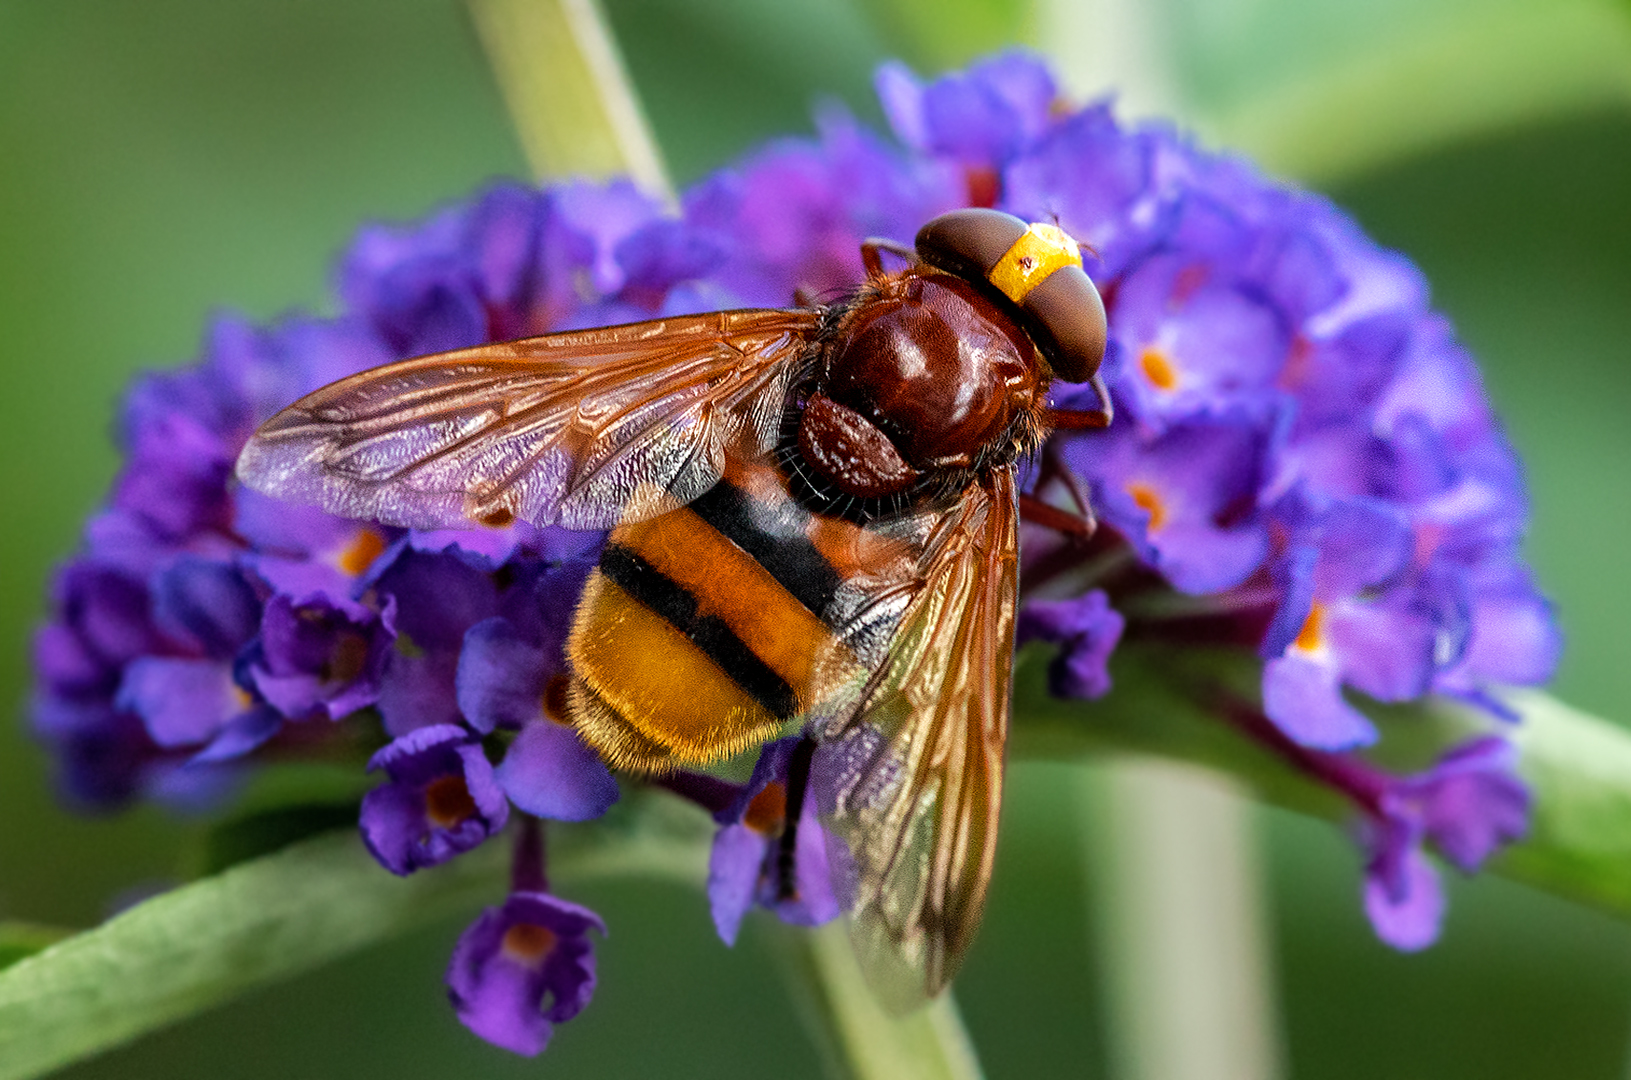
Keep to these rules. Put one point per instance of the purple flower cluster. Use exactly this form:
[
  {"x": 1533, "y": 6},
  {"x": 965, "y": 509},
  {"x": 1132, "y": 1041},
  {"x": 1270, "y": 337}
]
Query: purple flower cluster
[
  {"x": 1301, "y": 447},
  {"x": 1302, "y": 455}
]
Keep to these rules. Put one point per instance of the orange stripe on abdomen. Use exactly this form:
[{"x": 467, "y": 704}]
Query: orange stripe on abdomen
[
  {"x": 729, "y": 584},
  {"x": 659, "y": 683}
]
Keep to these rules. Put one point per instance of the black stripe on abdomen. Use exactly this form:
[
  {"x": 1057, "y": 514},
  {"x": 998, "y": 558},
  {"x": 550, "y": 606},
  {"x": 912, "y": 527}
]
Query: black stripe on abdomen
[
  {"x": 787, "y": 555},
  {"x": 709, "y": 633}
]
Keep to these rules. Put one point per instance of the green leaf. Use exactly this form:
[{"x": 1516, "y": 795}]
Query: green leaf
[
  {"x": 1438, "y": 79},
  {"x": 249, "y": 836},
  {"x": 1578, "y": 766},
  {"x": 23, "y": 939},
  {"x": 190, "y": 949},
  {"x": 193, "y": 948}
]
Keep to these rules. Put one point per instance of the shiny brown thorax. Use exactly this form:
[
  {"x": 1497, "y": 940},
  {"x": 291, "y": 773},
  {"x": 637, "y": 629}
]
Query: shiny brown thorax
[
  {"x": 932, "y": 374},
  {"x": 932, "y": 366}
]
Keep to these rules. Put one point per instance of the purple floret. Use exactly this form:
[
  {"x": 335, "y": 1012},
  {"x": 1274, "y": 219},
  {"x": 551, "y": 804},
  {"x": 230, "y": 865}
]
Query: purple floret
[
  {"x": 506, "y": 679},
  {"x": 321, "y": 659},
  {"x": 522, "y": 968},
  {"x": 1086, "y": 629},
  {"x": 745, "y": 866},
  {"x": 441, "y": 799},
  {"x": 1468, "y": 805}
]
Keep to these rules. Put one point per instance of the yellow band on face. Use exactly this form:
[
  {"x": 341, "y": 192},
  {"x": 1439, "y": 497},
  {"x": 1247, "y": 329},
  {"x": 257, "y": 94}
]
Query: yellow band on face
[{"x": 1038, "y": 253}]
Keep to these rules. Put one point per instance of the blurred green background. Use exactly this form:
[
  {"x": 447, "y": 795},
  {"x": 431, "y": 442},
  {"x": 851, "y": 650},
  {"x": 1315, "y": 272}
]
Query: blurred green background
[{"x": 161, "y": 160}]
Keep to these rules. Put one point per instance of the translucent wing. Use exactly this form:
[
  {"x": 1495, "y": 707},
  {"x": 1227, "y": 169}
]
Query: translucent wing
[
  {"x": 583, "y": 429},
  {"x": 910, "y": 778}
]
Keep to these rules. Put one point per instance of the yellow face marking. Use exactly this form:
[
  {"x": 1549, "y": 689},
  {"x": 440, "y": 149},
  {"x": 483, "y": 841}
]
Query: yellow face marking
[{"x": 1040, "y": 251}]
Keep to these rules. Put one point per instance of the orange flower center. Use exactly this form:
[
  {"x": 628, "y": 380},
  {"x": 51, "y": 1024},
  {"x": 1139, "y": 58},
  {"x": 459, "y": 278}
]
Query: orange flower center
[
  {"x": 768, "y": 810},
  {"x": 528, "y": 943},
  {"x": 360, "y": 554},
  {"x": 448, "y": 802},
  {"x": 1310, "y": 637},
  {"x": 1157, "y": 368},
  {"x": 347, "y": 659},
  {"x": 1150, "y": 501}
]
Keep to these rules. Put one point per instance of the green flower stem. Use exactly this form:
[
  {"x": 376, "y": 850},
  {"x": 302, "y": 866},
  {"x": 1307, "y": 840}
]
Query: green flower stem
[
  {"x": 1173, "y": 868},
  {"x": 861, "y": 1040},
  {"x": 571, "y": 100}
]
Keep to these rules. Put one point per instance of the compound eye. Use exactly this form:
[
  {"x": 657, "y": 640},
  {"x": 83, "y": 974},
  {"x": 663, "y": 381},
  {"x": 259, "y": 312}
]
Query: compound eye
[
  {"x": 968, "y": 242},
  {"x": 1065, "y": 317}
]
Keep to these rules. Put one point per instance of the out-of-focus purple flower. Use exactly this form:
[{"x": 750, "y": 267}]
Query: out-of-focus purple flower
[
  {"x": 981, "y": 118},
  {"x": 1086, "y": 629},
  {"x": 441, "y": 799},
  {"x": 318, "y": 658},
  {"x": 791, "y": 217},
  {"x": 507, "y": 679},
  {"x": 1468, "y": 805},
  {"x": 522, "y": 968},
  {"x": 207, "y": 612},
  {"x": 1403, "y": 896},
  {"x": 745, "y": 867}
]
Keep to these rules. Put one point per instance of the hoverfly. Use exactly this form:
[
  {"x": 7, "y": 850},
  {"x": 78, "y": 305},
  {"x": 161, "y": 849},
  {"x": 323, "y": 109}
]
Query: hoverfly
[{"x": 814, "y": 519}]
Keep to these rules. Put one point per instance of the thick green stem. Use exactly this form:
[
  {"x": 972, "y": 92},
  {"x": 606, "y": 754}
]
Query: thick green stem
[
  {"x": 1188, "y": 987},
  {"x": 570, "y": 98},
  {"x": 860, "y": 1039}
]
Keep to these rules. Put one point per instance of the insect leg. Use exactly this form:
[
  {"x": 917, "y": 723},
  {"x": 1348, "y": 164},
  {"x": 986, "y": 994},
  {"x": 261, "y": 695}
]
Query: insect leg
[
  {"x": 871, "y": 254},
  {"x": 1078, "y": 526},
  {"x": 798, "y": 782},
  {"x": 1075, "y": 526},
  {"x": 1073, "y": 419}
]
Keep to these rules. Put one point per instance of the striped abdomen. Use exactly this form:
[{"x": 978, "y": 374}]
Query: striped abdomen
[{"x": 701, "y": 633}]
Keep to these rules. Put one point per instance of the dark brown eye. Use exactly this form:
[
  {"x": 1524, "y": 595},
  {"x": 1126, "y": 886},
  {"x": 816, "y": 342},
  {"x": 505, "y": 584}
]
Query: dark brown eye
[
  {"x": 968, "y": 243},
  {"x": 1065, "y": 317}
]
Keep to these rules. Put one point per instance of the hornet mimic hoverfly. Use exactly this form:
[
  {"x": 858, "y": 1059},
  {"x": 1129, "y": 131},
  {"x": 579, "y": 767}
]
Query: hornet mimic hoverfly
[{"x": 814, "y": 521}]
